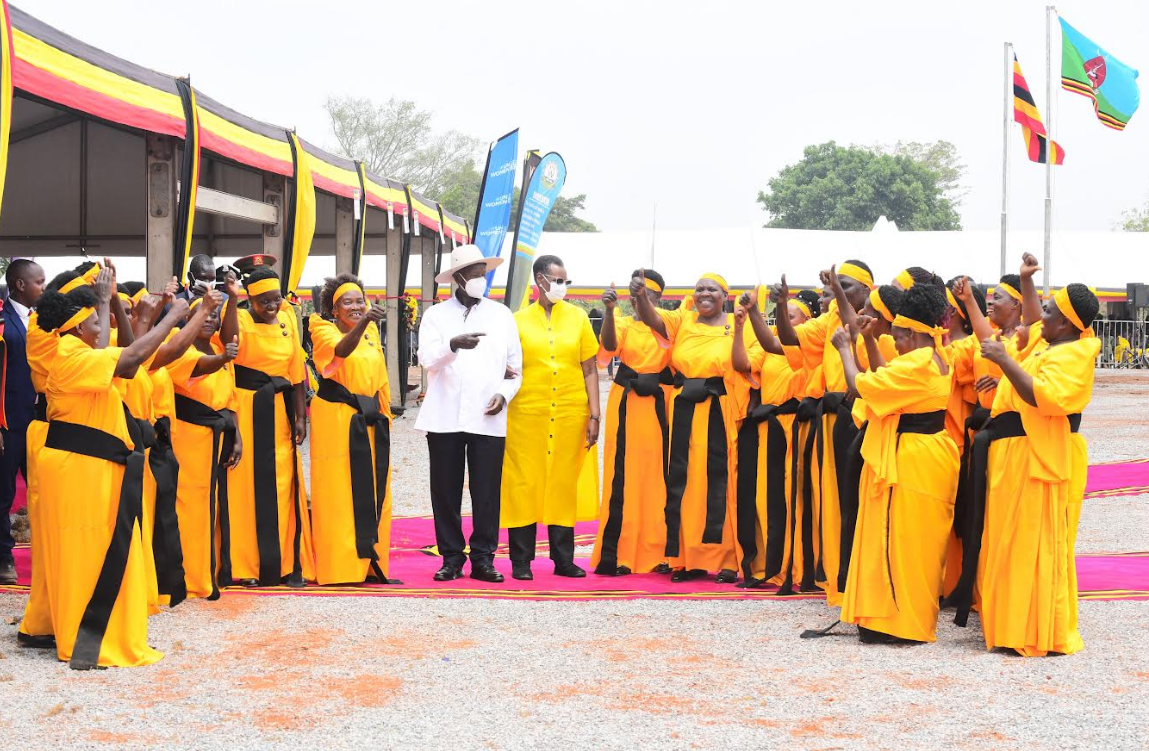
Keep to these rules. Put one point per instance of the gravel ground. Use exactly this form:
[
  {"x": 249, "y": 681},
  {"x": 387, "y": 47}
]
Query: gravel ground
[{"x": 289, "y": 672}]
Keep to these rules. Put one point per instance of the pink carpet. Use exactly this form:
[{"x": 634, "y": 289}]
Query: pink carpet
[
  {"x": 414, "y": 560},
  {"x": 1118, "y": 478}
]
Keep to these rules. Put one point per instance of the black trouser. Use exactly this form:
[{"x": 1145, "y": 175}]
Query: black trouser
[
  {"x": 522, "y": 540},
  {"x": 483, "y": 454},
  {"x": 11, "y": 461}
]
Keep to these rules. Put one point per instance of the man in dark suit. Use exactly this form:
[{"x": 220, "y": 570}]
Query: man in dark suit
[{"x": 25, "y": 284}]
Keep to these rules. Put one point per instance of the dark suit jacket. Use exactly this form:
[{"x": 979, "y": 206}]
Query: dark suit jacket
[{"x": 19, "y": 396}]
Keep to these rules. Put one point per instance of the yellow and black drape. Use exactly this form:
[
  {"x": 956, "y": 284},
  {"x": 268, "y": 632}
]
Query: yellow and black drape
[
  {"x": 299, "y": 228},
  {"x": 6, "y": 59},
  {"x": 361, "y": 229},
  {"x": 695, "y": 391},
  {"x": 774, "y": 536},
  {"x": 189, "y": 179}
]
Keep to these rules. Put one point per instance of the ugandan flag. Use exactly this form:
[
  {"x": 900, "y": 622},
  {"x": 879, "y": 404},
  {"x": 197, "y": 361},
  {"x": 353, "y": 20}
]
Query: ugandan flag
[{"x": 1037, "y": 143}]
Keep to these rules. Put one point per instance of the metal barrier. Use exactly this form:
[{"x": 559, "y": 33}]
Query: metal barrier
[{"x": 1124, "y": 344}]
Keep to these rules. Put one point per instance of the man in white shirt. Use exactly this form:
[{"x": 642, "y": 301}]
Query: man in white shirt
[{"x": 470, "y": 348}]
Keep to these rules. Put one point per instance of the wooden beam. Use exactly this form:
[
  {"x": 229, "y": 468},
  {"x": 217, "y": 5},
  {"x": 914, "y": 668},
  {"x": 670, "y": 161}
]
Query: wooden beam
[
  {"x": 161, "y": 205},
  {"x": 274, "y": 191},
  {"x": 344, "y": 235},
  {"x": 217, "y": 202}
]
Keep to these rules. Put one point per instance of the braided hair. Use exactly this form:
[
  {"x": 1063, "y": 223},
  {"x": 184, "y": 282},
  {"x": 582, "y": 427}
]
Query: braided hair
[
  {"x": 1084, "y": 302},
  {"x": 924, "y": 303},
  {"x": 53, "y": 309},
  {"x": 813, "y": 301}
]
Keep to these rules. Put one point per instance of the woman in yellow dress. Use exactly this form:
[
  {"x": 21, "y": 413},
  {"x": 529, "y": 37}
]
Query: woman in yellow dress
[
  {"x": 267, "y": 509},
  {"x": 350, "y": 438},
  {"x": 709, "y": 398},
  {"x": 558, "y": 399},
  {"x": 908, "y": 480},
  {"x": 207, "y": 445},
  {"x": 632, "y": 520},
  {"x": 766, "y": 513},
  {"x": 91, "y": 484},
  {"x": 1034, "y": 482},
  {"x": 36, "y": 628},
  {"x": 834, "y": 424}
]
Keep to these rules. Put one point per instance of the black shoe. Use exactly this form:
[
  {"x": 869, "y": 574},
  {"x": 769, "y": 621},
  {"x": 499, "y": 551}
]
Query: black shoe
[
  {"x": 522, "y": 572},
  {"x": 869, "y": 636},
  {"x": 8, "y": 573},
  {"x": 686, "y": 575},
  {"x": 750, "y": 583},
  {"x": 448, "y": 573},
  {"x": 605, "y": 568},
  {"x": 247, "y": 582},
  {"x": 622, "y": 571},
  {"x": 569, "y": 570},
  {"x": 47, "y": 641},
  {"x": 726, "y": 576},
  {"x": 663, "y": 568},
  {"x": 485, "y": 572},
  {"x": 295, "y": 581}
]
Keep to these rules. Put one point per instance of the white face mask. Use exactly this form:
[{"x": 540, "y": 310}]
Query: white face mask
[
  {"x": 556, "y": 292},
  {"x": 476, "y": 288}
]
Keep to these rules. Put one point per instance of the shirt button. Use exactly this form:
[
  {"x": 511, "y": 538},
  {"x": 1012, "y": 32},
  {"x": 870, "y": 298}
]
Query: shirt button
[
  {"x": 285, "y": 333},
  {"x": 283, "y": 325}
]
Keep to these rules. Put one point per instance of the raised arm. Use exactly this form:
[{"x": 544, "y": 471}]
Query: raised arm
[
  {"x": 141, "y": 349},
  {"x": 748, "y": 302},
  {"x": 786, "y": 333},
  {"x": 229, "y": 324},
  {"x": 608, "y": 337},
  {"x": 846, "y": 310},
  {"x": 173, "y": 348},
  {"x": 993, "y": 350},
  {"x": 873, "y": 351},
  {"x": 351, "y": 339},
  {"x": 209, "y": 364},
  {"x": 1031, "y": 308},
  {"x": 645, "y": 309},
  {"x": 739, "y": 357},
  {"x": 844, "y": 343},
  {"x": 104, "y": 287},
  {"x": 964, "y": 291}
]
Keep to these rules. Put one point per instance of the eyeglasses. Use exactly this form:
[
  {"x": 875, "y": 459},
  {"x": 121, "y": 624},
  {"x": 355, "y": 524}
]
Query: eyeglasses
[{"x": 557, "y": 282}]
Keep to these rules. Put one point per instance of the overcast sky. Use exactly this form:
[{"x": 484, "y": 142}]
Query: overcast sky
[{"x": 690, "y": 105}]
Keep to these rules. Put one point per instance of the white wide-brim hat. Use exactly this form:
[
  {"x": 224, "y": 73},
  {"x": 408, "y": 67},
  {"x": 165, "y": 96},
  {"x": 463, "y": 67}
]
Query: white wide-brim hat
[{"x": 462, "y": 257}]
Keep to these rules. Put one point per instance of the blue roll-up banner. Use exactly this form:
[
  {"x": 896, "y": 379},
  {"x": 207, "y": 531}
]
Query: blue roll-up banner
[
  {"x": 539, "y": 198},
  {"x": 493, "y": 214}
]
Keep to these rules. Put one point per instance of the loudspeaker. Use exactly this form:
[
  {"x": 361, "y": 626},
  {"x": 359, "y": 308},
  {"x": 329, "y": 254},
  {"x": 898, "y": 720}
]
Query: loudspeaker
[{"x": 1138, "y": 295}]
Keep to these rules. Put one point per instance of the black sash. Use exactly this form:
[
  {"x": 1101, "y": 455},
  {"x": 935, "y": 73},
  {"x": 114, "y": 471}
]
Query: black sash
[
  {"x": 694, "y": 391},
  {"x": 644, "y": 385},
  {"x": 41, "y": 407},
  {"x": 843, "y": 434},
  {"x": 976, "y": 421},
  {"x": 166, "y": 548},
  {"x": 368, "y": 489},
  {"x": 972, "y": 504},
  {"x": 87, "y": 441},
  {"x": 222, "y": 424},
  {"x": 266, "y": 388},
  {"x": 776, "y": 498},
  {"x": 802, "y": 454},
  {"x": 927, "y": 423}
]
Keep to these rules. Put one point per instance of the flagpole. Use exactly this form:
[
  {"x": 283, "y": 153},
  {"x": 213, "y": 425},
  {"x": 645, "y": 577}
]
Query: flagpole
[
  {"x": 1049, "y": 159},
  {"x": 1006, "y": 119}
]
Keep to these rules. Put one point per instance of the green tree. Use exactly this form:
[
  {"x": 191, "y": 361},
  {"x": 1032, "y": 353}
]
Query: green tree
[
  {"x": 396, "y": 139},
  {"x": 562, "y": 217},
  {"x": 940, "y": 156},
  {"x": 1135, "y": 220},
  {"x": 461, "y": 196},
  {"x": 849, "y": 188}
]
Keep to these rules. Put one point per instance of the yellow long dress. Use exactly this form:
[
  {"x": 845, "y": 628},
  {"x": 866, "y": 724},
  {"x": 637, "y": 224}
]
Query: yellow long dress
[
  {"x": 814, "y": 337},
  {"x": 632, "y": 517},
  {"x": 339, "y": 543},
  {"x": 201, "y": 449},
  {"x": 543, "y": 462},
  {"x": 80, "y": 506},
  {"x": 702, "y": 491},
  {"x": 1027, "y": 576},
  {"x": 272, "y": 350},
  {"x": 41, "y": 350},
  {"x": 768, "y": 520},
  {"x": 906, "y": 495}
]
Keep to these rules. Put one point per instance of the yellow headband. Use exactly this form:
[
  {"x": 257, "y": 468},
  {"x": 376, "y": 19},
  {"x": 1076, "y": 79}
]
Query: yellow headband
[
  {"x": 194, "y": 303},
  {"x": 716, "y": 278},
  {"x": 124, "y": 297},
  {"x": 857, "y": 273},
  {"x": 343, "y": 289},
  {"x": 1061, "y": 298},
  {"x": 954, "y": 302},
  {"x": 79, "y": 317},
  {"x": 802, "y": 307},
  {"x": 880, "y": 306},
  {"x": 1009, "y": 290},
  {"x": 652, "y": 285},
  {"x": 904, "y": 279},
  {"x": 140, "y": 295},
  {"x": 917, "y": 326},
  {"x": 85, "y": 279},
  {"x": 255, "y": 289}
]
